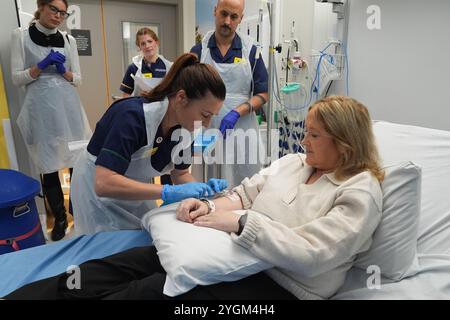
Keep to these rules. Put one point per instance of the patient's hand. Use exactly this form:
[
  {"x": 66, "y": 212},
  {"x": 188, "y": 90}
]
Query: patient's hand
[
  {"x": 190, "y": 209},
  {"x": 227, "y": 221}
]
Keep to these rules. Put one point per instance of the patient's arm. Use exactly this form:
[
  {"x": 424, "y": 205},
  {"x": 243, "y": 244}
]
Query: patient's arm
[
  {"x": 227, "y": 221},
  {"x": 190, "y": 209},
  {"x": 230, "y": 201},
  {"x": 241, "y": 197}
]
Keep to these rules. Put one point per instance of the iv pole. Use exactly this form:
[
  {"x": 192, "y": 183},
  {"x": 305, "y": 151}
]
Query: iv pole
[{"x": 272, "y": 49}]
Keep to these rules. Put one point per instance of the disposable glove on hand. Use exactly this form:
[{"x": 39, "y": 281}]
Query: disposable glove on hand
[
  {"x": 52, "y": 58},
  {"x": 58, "y": 57},
  {"x": 217, "y": 184},
  {"x": 60, "y": 68},
  {"x": 171, "y": 194},
  {"x": 228, "y": 122}
]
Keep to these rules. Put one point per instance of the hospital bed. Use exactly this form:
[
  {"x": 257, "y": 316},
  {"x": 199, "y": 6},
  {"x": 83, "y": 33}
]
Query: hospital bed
[{"x": 428, "y": 148}]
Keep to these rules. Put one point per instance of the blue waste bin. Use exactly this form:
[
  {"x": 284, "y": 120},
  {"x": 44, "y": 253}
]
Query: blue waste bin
[{"x": 20, "y": 226}]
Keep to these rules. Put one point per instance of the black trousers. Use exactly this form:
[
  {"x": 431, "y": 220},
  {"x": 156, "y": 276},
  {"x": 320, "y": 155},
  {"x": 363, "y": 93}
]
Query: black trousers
[
  {"x": 137, "y": 274},
  {"x": 51, "y": 186}
]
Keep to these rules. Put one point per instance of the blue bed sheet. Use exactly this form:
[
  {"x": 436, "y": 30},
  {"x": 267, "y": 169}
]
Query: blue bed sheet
[{"x": 20, "y": 268}]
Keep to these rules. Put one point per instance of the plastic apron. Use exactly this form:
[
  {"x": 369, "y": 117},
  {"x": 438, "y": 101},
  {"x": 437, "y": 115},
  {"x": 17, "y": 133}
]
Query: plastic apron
[
  {"x": 94, "y": 214},
  {"x": 238, "y": 81},
  {"x": 149, "y": 82},
  {"x": 52, "y": 115}
]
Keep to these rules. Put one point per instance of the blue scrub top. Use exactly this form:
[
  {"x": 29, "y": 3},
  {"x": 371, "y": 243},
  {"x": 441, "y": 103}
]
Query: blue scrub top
[
  {"x": 122, "y": 131},
  {"x": 260, "y": 76},
  {"x": 157, "y": 69}
]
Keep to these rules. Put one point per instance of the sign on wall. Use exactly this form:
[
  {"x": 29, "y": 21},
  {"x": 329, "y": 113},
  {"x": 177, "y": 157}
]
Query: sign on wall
[{"x": 83, "y": 38}]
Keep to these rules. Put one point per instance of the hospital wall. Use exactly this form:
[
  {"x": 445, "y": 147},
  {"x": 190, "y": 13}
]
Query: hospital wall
[{"x": 401, "y": 71}]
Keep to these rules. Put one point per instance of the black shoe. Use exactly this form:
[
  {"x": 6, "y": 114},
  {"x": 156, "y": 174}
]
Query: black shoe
[
  {"x": 55, "y": 199},
  {"x": 59, "y": 229}
]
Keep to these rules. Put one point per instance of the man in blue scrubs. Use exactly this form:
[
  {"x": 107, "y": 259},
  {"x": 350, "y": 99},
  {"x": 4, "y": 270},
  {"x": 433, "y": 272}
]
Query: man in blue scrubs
[{"x": 242, "y": 68}]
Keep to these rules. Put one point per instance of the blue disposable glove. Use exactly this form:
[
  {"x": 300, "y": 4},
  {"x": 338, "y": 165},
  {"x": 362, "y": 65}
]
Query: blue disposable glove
[
  {"x": 217, "y": 184},
  {"x": 171, "y": 194},
  {"x": 228, "y": 122},
  {"x": 52, "y": 58},
  {"x": 60, "y": 68},
  {"x": 58, "y": 57}
]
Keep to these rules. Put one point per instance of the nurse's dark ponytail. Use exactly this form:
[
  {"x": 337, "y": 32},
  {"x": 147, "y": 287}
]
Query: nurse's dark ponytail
[{"x": 195, "y": 78}]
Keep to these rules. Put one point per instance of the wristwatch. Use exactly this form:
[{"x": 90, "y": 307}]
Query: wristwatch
[
  {"x": 242, "y": 221},
  {"x": 211, "y": 205}
]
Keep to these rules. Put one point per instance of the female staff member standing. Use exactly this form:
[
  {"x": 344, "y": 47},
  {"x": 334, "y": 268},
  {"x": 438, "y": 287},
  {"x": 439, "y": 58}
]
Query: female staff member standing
[
  {"x": 132, "y": 143},
  {"x": 45, "y": 62},
  {"x": 149, "y": 66}
]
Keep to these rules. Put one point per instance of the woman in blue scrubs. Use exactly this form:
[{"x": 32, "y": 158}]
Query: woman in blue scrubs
[
  {"x": 132, "y": 143},
  {"x": 149, "y": 66}
]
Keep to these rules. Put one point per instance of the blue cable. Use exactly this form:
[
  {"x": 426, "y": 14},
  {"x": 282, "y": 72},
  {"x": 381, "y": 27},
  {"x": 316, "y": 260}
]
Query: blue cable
[
  {"x": 322, "y": 54},
  {"x": 316, "y": 78},
  {"x": 311, "y": 91},
  {"x": 321, "y": 51}
]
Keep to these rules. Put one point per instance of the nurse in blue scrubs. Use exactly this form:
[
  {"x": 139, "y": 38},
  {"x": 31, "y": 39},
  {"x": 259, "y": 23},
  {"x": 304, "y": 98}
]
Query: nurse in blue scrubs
[
  {"x": 132, "y": 143},
  {"x": 149, "y": 66}
]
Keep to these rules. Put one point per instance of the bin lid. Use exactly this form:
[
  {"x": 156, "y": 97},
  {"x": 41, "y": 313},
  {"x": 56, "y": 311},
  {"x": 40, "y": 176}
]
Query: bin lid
[{"x": 15, "y": 187}]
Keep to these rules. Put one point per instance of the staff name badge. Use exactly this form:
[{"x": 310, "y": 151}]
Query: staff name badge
[
  {"x": 148, "y": 75},
  {"x": 154, "y": 151},
  {"x": 239, "y": 60}
]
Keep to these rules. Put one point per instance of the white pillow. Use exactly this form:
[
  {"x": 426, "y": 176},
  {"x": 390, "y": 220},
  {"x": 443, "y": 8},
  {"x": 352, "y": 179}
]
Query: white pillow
[
  {"x": 394, "y": 247},
  {"x": 194, "y": 255}
]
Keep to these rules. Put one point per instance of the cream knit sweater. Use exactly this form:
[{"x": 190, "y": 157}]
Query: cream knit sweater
[{"x": 311, "y": 233}]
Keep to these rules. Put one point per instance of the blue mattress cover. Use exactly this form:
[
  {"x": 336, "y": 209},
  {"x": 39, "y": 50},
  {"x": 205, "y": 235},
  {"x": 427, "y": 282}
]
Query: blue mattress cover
[{"x": 26, "y": 266}]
